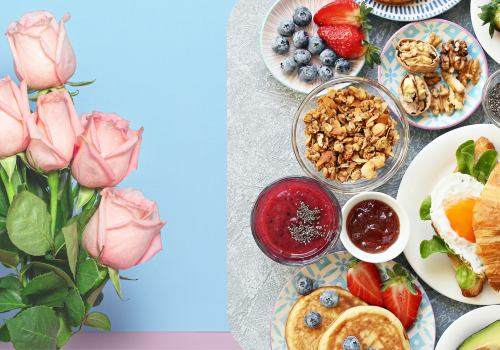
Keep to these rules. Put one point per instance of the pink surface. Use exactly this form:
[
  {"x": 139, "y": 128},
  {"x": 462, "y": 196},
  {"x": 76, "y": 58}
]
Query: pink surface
[{"x": 149, "y": 340}]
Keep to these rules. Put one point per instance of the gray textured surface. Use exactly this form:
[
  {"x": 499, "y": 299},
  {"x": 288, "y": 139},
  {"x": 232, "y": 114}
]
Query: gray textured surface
[{"x": 259, "y": 117}]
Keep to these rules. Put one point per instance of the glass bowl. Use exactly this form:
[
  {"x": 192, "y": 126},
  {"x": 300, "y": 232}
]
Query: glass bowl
[
  {"x": 399, "y": 149},
  {"x": 492, "y": 81},
  {"x": 276, "y": 208}
]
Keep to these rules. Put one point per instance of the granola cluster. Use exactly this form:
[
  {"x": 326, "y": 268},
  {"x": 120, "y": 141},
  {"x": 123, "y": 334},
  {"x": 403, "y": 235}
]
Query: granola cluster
[{"x": 349, "y": 135}]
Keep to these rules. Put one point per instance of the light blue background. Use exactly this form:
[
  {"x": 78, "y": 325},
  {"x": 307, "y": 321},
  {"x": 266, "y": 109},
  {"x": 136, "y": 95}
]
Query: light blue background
[{"x": 161, "y": 65}]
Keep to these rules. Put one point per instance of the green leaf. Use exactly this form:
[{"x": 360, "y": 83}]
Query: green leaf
[
  {"x": 49, "y": 290},
  {"x": 94, "y": 296},
  {"x": 465, "y": 277},
  {"x": 64, "y": 208},
  {"x": 115, "y": 279},
  {"x": 3, "y": 224},
  {"x": 71, "y": 238},
  {"x": 98, "y": 320},
  {"x": 28, "y": 224},
  {"x": 18, "y": 180},
  {"x": 4, "y": 200},
  {"x": 9, "y": 254},
  {"x": 9, "y": 164},
  {"x": 81, "y": 83},
  {"x": 59, "y": 242},
  {"x": 73, "y": 310},
  {"x": 10, "y": 294},
  {"x": 128, "y": 279},
  {"x": 84, "y": 195},
  {"x": 465, "y": 157},
  {"x": 433, "y": 246},
  {"x": 34, "y": 328},
  {"x": 37, "y": 184},
  {"x": 425, "y": 209},
  {"x": 486, "y": 164},
  {"x": 4, "y": 334},
  {"x": 82, "y": 256},
  {"x": 48, "y": 267},
  {"x": 99, "y": 299},
  {"x": 87, "y": 275},
  {"x": 63, "y": 333}
]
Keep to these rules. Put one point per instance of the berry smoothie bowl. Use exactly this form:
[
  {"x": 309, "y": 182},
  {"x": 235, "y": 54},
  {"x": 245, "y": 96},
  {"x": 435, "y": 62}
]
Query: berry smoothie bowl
[{"x": 296, "y": 221}]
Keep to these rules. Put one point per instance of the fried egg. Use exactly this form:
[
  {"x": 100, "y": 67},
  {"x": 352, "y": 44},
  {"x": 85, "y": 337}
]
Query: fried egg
[{"x": 452, "y": 203}]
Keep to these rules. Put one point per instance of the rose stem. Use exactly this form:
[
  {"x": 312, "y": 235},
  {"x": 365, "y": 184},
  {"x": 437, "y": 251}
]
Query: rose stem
[{"x": 53, "y": 181}]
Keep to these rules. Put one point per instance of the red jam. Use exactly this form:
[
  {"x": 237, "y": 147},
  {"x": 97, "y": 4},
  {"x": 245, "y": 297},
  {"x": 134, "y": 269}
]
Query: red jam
[
  {"x": 372, "y": 226},
  {"x": 295, "y": 218}
]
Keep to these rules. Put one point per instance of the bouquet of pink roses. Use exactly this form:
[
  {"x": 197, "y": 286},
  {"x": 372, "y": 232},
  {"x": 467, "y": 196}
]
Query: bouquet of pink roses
[{"x": 63, "y": 241}]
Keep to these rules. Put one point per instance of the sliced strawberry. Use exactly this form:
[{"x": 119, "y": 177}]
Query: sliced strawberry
[
  {"x": 343, "y": 12},
  {"x": 363, "y": 280},
  {"x": 401, "y": 296},
  {"x": 349, "y": 42}
]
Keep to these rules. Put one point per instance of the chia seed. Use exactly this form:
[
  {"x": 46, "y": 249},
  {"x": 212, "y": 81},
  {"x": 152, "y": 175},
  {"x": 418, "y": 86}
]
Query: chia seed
[
  {"x": 495, "y": 100},
  {"x": 307, "y": 229}
]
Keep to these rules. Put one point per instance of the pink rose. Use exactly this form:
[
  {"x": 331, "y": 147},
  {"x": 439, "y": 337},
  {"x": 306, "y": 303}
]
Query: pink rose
[
  {"x": 127, "y": 225},
  {"x": 53, "y": 130},
  {"x": 107, "y": 152},
  {"x": 14, "y": 112},
  {"x": 43, "y": 55}
]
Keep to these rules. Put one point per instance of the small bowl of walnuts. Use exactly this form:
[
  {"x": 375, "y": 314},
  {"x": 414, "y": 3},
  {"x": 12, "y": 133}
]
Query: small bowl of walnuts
[{"x": 352, "y": 139}]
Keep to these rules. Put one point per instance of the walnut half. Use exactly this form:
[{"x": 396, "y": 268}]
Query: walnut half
[
  {"x": 414, "y": 95},
  {"x": 453, "y": 55},
  {"x": 417, "y": 56}
]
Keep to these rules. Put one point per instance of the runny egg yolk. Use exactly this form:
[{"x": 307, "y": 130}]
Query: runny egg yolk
[{"x": 458, "y": 210}]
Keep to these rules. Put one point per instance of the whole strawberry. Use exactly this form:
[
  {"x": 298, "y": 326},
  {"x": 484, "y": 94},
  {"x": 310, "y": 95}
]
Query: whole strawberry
[
  {"x": 349, "y": 42},
  {"x": 343, "y": 12},
  {"x": 401, "y": 297},
  {"x": 490, "y": 13}
]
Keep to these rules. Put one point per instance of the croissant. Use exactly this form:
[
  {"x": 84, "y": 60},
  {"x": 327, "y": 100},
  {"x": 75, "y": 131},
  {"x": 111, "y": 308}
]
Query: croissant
[{"x": 486, "y": 225}]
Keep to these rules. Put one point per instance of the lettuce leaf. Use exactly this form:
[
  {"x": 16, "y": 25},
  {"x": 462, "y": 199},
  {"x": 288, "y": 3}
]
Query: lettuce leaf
[
  {"x": 435, "y": 245},
  {"x": 465, "y": 277},
  {"x": 425, "y": 209},
  {"x": 485, "y": 165},
  {"x": 465, "y": 157}
]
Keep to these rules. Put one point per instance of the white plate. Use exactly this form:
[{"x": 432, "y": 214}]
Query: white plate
[
  {"x": 332, "y": 271},
  {"x": 490, "y": 45},
  {"x": 434, "y": 162},
  {"x": 283, "y": 9},
  {"x": 467, "y": 325}
]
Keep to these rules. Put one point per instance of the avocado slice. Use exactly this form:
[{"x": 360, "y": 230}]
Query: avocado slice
[{"x": 486, "y": 336}]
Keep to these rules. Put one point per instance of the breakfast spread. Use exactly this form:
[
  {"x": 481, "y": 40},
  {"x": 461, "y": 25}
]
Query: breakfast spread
[
  {"x": 372, "y": 226},
  {"x": 461, "y": 209},
  {"x": 349, "y": 135}
]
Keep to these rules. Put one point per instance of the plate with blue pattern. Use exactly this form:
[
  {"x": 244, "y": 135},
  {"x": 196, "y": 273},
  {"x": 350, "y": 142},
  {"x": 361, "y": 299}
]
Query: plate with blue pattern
[
  {"x": 390, "y": 71},
  {"x": 332, "y": 271},
  {"x": 416, "y": 11}
]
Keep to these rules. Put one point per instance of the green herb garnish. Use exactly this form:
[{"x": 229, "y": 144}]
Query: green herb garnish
[
  {"x": 465, "y": 277},
  {"x": 425, "y": 209},
  {"x": 434, "y": 245}
]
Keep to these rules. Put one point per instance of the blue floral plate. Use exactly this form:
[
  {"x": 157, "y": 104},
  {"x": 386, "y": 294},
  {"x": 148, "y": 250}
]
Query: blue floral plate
[
  {"x": 332, "y": 271},
  {"x": 416, "y": 11},
  {"x": 390, "y": 71}
]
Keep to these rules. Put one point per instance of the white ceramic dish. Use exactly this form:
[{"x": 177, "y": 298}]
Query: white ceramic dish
[
  {"x": 283, "y": 9},
  {"x": 404, "y": 228},
  {"x": 332, "y": 271},
  {"x": 490, "y": 45},
  {"x": 434, "y": 162},
  {"x": 467, "y": 325}
]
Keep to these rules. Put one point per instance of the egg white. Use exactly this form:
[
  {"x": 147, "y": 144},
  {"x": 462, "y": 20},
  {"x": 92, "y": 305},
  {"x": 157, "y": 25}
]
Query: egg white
[{"x": 451, "y": 186}]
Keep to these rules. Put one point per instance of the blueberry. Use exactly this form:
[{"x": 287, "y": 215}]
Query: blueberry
[
  {"x": 329, "y": 298},
  {"x": 302, "y": 16},
  {"x": 343, "y": 66},
  {"x": 304, "y": 285},
  {"x": 369, "y": 348},
  {"x": 308, "y": 74},
  {"x": 288, "y": 65},
  {"x": 312, "y": 319},
  {"x": 316, "y": 45},
  {"x": 300, "y": 39},
  {"x": 325, "y": 74},
  {"x": 328, "y": 57},
  {"x": 280, "y": 45},
  {"x": 302, "y": 57},
  {"x": 286, "y": 27},
  {"x": 351, "y": 343}
]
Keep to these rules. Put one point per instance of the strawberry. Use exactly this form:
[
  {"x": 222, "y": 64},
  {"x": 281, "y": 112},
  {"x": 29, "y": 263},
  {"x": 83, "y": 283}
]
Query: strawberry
[
  {"x": 343, "y": 12},
  {"x": 401, "y": 297},
  {"x": 363, "y": 280},
  {"x": 349, "y": 42},
  {"x": 490, "y": 13}
]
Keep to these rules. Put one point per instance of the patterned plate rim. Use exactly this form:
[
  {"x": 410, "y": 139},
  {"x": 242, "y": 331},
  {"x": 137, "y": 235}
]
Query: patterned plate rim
[
  {"x": 425, "y": 17},
  {"x": 487, "y": 74},
  {"x": 342, "y": 251},
  {"x": 264, "y": 58}
]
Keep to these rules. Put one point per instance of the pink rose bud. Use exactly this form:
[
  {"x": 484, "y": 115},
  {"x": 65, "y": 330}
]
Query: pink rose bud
[
  {"x": 127, "y": 225},
  {"x": 53, "y": 130},
  {"x": 43, "y": 55},
  {"x": 107, "y": 152},
  {"x": 14, "y": 112}
]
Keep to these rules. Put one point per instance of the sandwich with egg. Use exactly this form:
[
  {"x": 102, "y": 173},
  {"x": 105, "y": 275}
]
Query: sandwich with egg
[{"x": 454, "y": 212}]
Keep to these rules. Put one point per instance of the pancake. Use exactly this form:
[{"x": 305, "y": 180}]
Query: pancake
[
  {"x": 298, "y": 335},
  {"x": 373, "y": 326}
]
